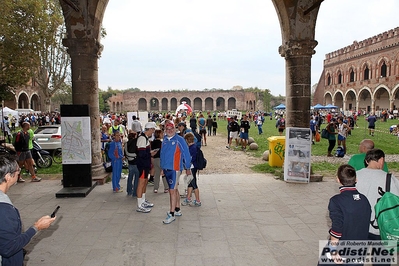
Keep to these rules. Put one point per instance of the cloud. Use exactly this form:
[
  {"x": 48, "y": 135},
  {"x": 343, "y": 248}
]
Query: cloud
[{"x": 164, "y": 45}]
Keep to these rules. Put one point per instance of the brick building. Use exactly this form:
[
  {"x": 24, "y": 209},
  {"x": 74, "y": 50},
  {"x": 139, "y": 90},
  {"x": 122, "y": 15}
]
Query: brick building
[
  {"x": 198, "y": 100},
  {"x": 363, "y": 76},
  {"x": 26, "y": 97}
]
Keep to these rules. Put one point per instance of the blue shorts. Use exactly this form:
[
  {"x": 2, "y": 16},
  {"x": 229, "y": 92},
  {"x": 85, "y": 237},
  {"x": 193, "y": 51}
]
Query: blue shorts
[
  {"x": 340, "y": 137},
  {"x": 172, "y": 178},
  {"x": 243, "y": 135}
]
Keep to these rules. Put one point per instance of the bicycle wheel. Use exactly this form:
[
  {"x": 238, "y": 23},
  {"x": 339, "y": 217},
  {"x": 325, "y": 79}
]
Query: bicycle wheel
[
  {"x": 45, "y": 162},
  {"x": 57, "y": 156}
]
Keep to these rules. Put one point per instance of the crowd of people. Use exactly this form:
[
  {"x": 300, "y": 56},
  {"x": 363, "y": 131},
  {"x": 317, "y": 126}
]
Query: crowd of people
[
  {"x": 167, "y": 146},
  {"x": 162, "y": 149}
]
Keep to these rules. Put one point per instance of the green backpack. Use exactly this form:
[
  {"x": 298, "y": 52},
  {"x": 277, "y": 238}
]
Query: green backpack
[{"x": 387, "y": 213}]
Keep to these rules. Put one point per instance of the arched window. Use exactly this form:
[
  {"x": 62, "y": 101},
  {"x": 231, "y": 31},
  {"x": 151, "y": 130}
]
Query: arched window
[
  {"x": 351, "y": 75},
  {"x": 366, "y": 73},
  {"x": 328, "y": 79},
  {"x": 339, "y": 77},
  {"x": 383, "y": 70}
]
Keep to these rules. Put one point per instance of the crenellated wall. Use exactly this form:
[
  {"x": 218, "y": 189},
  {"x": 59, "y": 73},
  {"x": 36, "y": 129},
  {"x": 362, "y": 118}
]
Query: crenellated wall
[{"x": 363, "y": 76}]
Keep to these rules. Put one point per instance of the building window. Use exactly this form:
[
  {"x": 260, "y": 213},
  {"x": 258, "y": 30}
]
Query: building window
[
  {"x": 339, "y": 78},
  {"x": 351, "y": 75},
  {"x": 328, "y": 79},
  {"x": 366, "y": 73},
  {"x": 383, "y": 70}
]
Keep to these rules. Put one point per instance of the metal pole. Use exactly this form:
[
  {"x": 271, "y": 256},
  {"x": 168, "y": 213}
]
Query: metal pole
[{"x": 2, "y": 122}]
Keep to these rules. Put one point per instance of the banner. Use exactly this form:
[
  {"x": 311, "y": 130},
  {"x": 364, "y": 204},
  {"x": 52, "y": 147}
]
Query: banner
[{"x": 297, "y": 155}]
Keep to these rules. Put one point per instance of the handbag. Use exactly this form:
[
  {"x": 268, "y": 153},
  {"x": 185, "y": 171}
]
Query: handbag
[
  {"x": 317, "y": 136},
  {"x": 325, "y": 134}
]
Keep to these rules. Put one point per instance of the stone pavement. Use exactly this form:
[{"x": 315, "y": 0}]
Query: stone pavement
[{"x": 245, "y": 219}]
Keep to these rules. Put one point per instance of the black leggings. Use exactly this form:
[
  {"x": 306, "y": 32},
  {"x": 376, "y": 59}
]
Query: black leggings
[{"x": 331, "y": 145}]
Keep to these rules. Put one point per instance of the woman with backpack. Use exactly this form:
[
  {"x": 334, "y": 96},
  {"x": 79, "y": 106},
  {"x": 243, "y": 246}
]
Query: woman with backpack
[
  {"x": 331, "y": 136},
  {"x": 189, "y": 137},
  {"x": 131, "y": 155}
]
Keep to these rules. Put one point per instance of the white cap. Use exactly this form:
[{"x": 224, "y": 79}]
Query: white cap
[{"x": 149, "y": 125}]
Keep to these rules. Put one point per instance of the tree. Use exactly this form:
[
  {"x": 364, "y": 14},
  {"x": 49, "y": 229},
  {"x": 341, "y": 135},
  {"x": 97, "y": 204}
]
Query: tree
[
  {"x": 54, "y": 58},
  {"x": 63, "y": 95},
  {"x": 23, "y": 25}
]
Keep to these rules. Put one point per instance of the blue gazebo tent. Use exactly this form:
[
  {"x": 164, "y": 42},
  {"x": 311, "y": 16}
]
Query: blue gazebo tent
[
  {"x": 280, "y": 107},
  {"x": 330, "y": 106},
  {"x": 318, "y": 106}
]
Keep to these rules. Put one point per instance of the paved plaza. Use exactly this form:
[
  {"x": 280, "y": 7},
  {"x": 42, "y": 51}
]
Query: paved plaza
[{"x": 245, "y": 219}]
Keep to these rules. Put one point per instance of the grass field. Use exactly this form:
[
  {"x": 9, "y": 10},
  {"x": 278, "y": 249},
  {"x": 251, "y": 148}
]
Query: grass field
[{"x": 383, "y": 140}]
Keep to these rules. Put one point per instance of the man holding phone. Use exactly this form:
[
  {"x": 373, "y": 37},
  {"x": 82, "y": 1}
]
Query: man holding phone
[{"x": 12, "y": 239}]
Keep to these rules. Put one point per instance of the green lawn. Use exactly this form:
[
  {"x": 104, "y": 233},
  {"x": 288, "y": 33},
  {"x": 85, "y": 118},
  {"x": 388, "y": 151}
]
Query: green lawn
[{"x": 382, "y": 139}]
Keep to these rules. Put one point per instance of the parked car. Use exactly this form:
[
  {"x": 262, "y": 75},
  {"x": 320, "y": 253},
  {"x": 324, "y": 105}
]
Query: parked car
[{"x": 49, "y": 137}]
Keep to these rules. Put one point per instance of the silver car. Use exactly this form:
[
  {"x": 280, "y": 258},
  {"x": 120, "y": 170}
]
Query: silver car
[{"x": 49, "y": 137}]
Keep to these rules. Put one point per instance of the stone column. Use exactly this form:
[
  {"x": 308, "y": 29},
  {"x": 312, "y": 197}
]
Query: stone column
[
  {"x": 391, "y": 103},
  {"x": 357, "y": 105},
  {"x": 298, "y": 54},
  {"x": 84, "y": 65},
  {"x": 344, "y": 105},
  {"x": 372, "y": 105}
]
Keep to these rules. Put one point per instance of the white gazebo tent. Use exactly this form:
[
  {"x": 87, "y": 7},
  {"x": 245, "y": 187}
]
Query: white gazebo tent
[{"x": 8, "y": 112}]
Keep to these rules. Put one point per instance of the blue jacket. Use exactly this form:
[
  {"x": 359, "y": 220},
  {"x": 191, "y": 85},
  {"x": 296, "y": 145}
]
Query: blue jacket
[
  {"x": 175, "y": 154},
  {"x": 12, "y": 240},
  {"x": 193, "y": 152},
  {"x": 111, "y": 151}
]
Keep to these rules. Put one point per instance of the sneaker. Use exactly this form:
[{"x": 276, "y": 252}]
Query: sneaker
[
  {"x": 178, "y": 213},
  {"x": 151, "y": 183},
  {"x": 169, "y": 218},
  {"x": 186, "y": 202},
  {"x": 147, "y": 204},
  {"x": 21, "y": 180},
  {"x": 36, "y": 179},
  {"x": 120, "y": 190},
  {"x": 195, "y": 203},
  {"x": 142, "y": 209},
  {"x": 227, "y": 147}
]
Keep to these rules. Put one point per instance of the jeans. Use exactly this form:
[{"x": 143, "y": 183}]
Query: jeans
[
  {"x": 132, "y": 188},
  {"x": 260, "y": 130}
]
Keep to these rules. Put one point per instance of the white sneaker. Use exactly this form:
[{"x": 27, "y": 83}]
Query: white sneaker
[
  {"x": 185, "y": 202},
  {"x": 142, "y": 209},
  {"x": 178, "y": 213},
  {"x": 169, "y": 218},
  {"x": 147, "y": 204}
]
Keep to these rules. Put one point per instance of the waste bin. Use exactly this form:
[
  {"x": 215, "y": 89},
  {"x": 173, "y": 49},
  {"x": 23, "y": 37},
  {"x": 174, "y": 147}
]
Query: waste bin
[{"x": 276, "y": 150}]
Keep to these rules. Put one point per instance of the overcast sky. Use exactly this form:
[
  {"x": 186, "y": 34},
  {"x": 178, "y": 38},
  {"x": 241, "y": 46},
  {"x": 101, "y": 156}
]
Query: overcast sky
[{"x": 161, "y": 45}]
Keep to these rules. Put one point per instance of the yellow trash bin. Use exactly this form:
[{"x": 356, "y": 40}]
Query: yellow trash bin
[{"x": 276, "y": 150}]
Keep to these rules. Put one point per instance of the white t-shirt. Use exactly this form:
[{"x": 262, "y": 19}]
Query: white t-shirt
[{"x": 368, "y": 181}]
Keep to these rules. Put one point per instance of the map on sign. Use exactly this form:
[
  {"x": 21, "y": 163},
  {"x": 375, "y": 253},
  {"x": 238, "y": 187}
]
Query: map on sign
[{"x": 76, "y": 140}]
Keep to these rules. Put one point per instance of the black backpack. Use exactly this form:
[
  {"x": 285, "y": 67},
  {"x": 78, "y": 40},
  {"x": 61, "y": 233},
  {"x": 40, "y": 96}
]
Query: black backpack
[
  {"x": 201, "y": 161},
  {"x": 18, "y": 145},
  {"x": 131, "y": 149}
]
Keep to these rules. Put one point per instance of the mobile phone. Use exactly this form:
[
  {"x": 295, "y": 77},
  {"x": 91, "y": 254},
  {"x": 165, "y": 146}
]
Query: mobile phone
[{"x": 55, "y": 211}]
